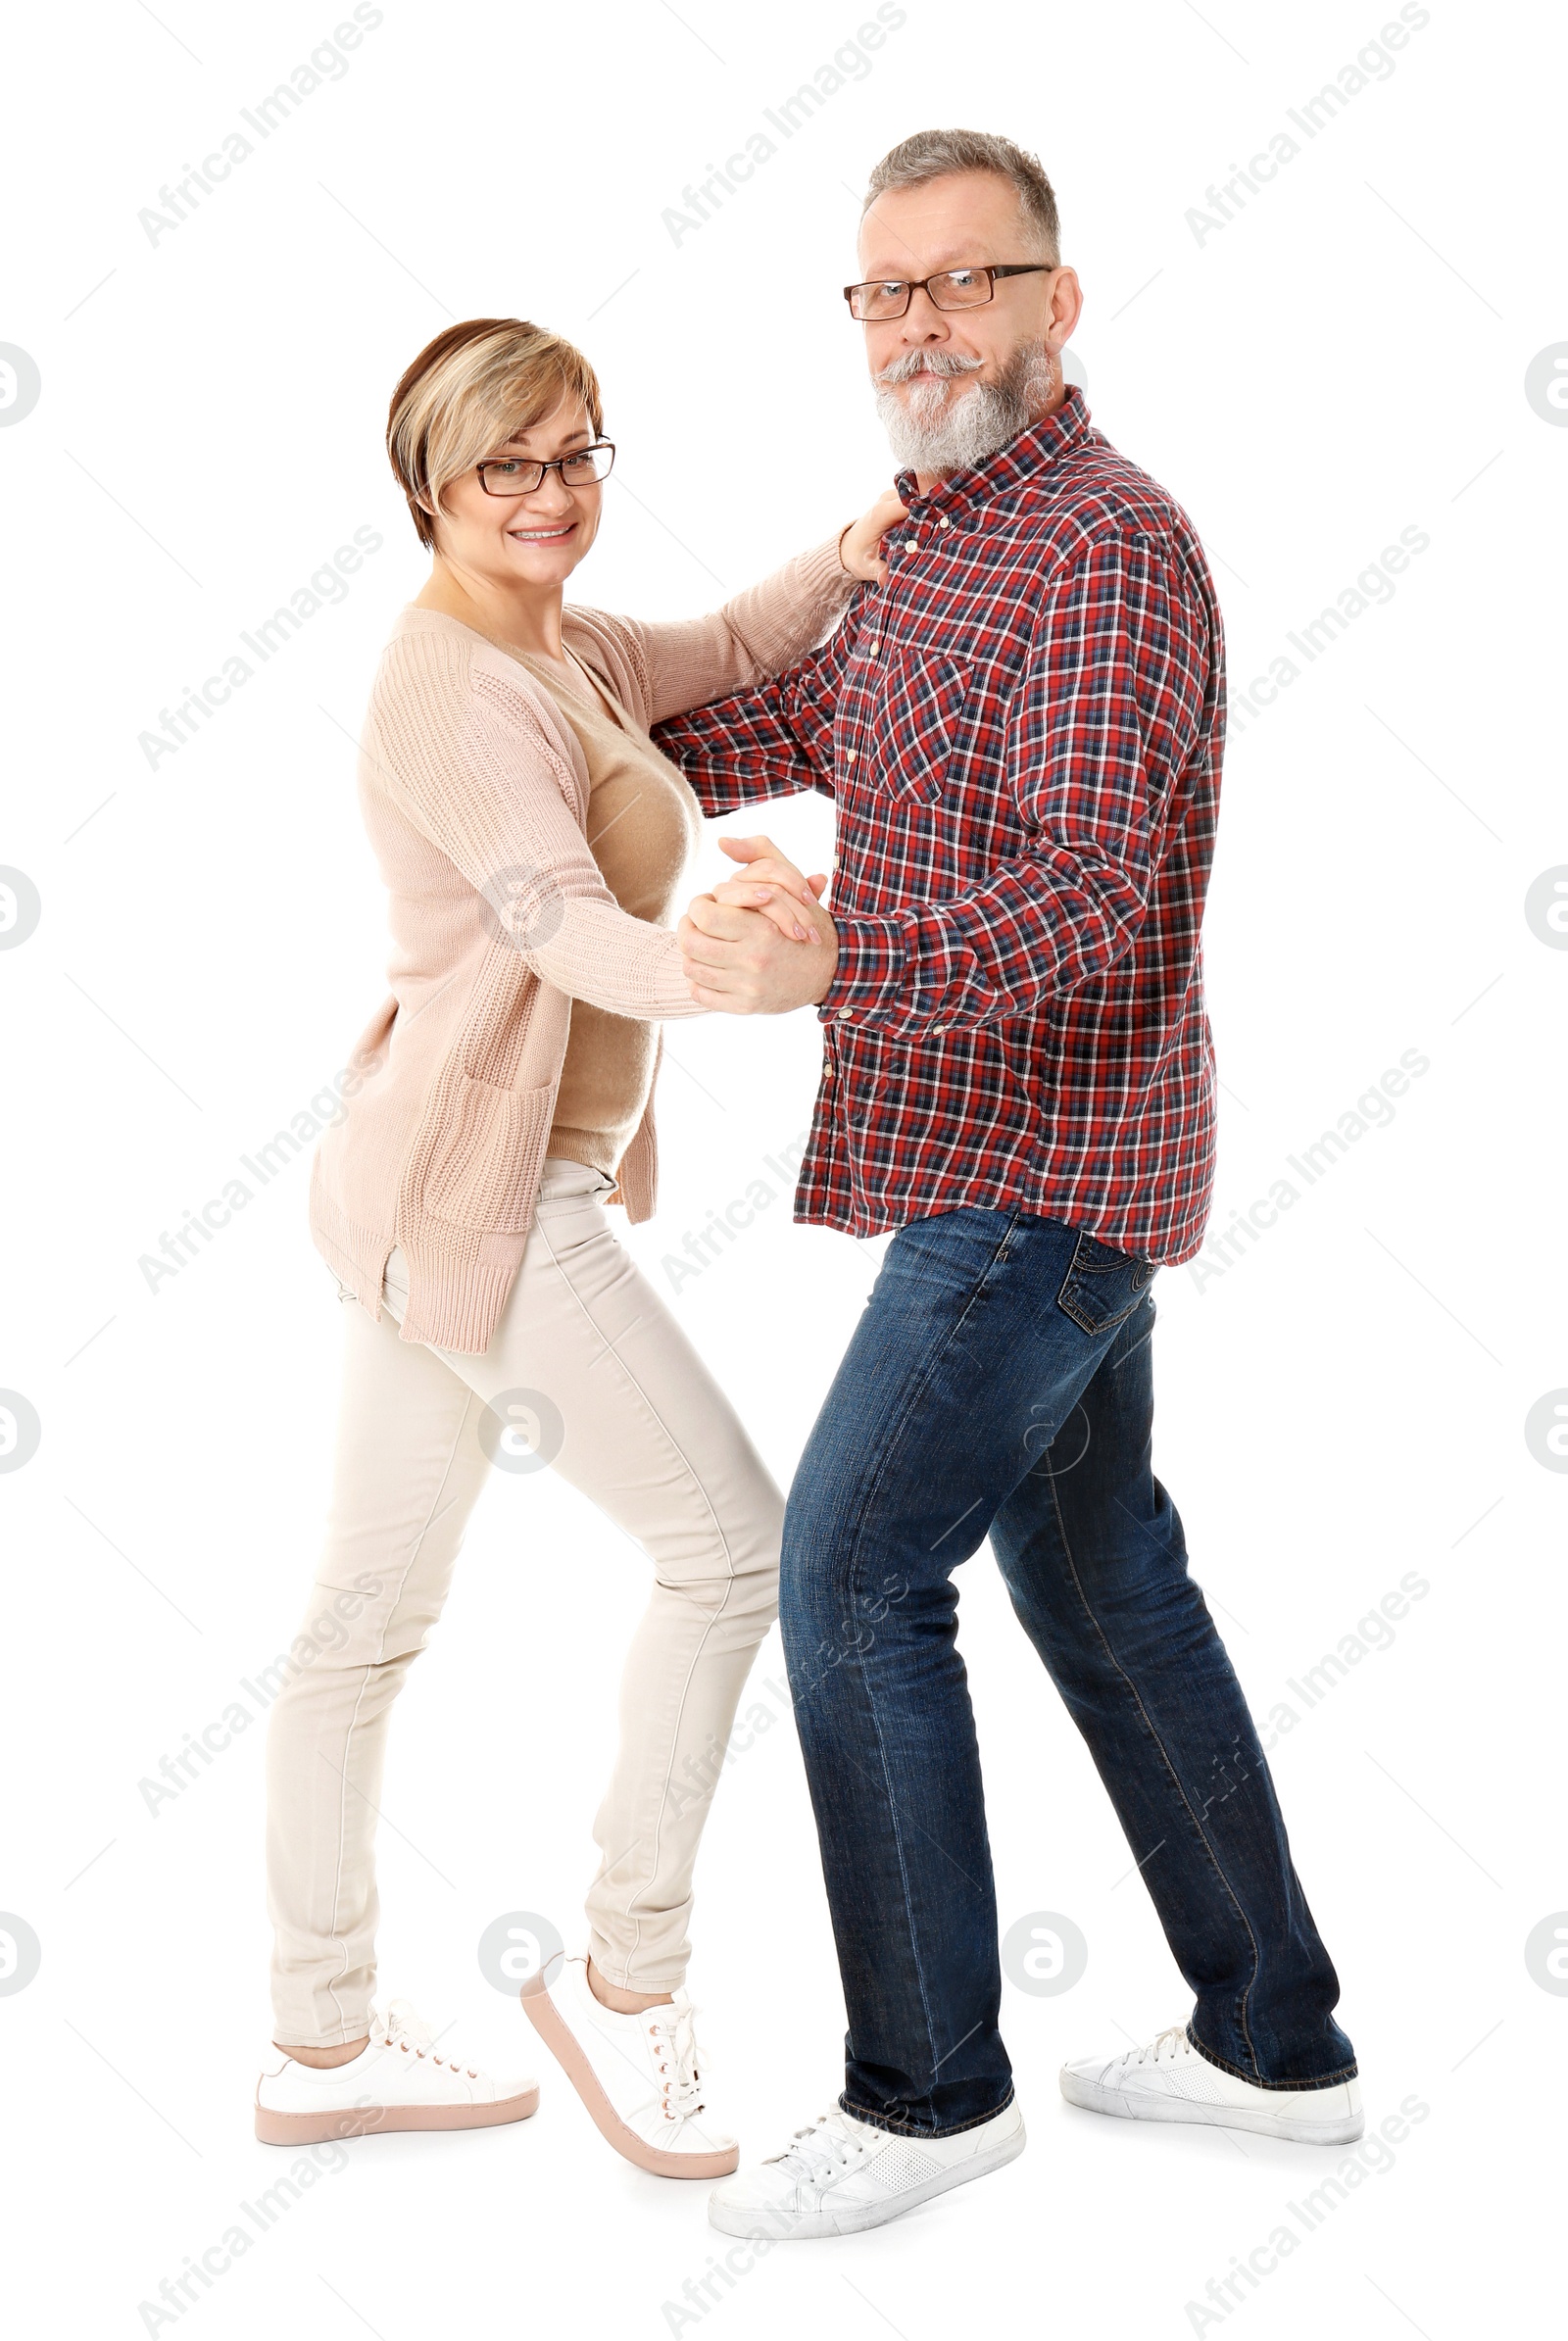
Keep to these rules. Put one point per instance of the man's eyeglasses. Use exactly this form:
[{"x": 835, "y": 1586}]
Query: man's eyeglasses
[
  {"x": 514, "y": 475},
  {"x": 953, "y": 288}
]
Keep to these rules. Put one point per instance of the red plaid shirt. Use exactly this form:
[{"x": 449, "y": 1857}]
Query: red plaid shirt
[{"x": 1022, "y": 731}]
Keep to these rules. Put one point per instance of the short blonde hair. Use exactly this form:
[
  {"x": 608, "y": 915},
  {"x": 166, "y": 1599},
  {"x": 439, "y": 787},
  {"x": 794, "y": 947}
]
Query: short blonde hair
[{"x": 471, "y": 390}]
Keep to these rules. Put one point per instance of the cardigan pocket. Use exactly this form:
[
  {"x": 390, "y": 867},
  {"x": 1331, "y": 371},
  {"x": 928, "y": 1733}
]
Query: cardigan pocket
[{"x": 486, "y": 1174}]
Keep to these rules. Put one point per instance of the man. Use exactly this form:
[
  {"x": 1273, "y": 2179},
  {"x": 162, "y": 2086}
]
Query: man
[{"x": 1022, "y": 729}]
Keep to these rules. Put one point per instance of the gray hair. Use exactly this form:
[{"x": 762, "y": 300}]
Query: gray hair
[{"x": 934, "y": 154}]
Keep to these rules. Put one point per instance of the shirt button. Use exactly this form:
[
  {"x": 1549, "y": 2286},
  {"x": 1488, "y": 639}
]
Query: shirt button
[
  {"x": 939, "y": 1028},
  {"x": 943, "y": 521},
  {"x": 849, "y": 756},
  {"x": 843, "y": 1011}
]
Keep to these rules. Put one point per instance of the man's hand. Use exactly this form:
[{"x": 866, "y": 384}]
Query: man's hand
[
  {"x": 760, "y": 945},
  {"x": 737, "y": 961}
]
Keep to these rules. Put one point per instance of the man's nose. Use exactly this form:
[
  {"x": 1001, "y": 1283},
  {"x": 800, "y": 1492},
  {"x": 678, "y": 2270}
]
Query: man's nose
[{"x": 923, "y": 320}]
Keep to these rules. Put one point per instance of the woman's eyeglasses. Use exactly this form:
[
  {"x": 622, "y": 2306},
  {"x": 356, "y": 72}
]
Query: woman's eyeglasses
[{"x": 515, "y": 476}]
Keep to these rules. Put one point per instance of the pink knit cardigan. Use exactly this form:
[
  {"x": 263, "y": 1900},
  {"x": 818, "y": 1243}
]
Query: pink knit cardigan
[{"x": 474, "y": 791}]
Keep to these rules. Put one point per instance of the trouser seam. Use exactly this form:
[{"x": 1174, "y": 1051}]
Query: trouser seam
[
  {"x": 379, "y": 1660},
  {"x": 676, "y": 1450}
]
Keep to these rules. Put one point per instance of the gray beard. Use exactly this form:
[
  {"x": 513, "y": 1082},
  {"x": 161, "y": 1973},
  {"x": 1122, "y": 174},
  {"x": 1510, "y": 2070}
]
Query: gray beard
[{"x": 932, "y": 431}]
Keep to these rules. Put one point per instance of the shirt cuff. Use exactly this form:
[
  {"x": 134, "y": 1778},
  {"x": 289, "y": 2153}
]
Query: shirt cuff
[{"x": 872, "y": 958}]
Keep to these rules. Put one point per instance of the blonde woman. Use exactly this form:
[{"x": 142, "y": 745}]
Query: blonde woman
[{"x": 531, "y": 839}]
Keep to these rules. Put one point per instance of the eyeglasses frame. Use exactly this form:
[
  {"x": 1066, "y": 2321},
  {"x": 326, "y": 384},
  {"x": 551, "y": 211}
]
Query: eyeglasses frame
[
  {"x": 923, "y": 284},
  {"x": 554, "y": 465}
]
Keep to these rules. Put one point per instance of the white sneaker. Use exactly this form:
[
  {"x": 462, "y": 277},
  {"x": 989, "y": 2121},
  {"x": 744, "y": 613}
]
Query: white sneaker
[
  {"x": 637, "y": 2075},
  {"x": 1169, "y": 2082},
  {"x": 843, "y": 2175},
  {"x": 397, "y": 2082}
]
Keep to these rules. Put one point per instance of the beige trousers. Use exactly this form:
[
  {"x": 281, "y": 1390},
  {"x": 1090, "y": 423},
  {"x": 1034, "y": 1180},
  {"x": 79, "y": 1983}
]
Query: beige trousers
[{"x": 589, "y": 1372}]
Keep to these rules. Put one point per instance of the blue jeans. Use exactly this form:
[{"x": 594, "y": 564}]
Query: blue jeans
[{"x": 1000, "y": 1382}]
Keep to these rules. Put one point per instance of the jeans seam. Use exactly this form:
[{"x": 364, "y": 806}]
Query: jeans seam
[
  {"x": 898, "y": 1841},
  {"x": 906, "y": 2129},
  {"x": 1325, "y": 2080},
  {"x": 914, "y": 1390},
  {"x": 1202, "y": 1837},
  {"x": 906, "y": 1407}
]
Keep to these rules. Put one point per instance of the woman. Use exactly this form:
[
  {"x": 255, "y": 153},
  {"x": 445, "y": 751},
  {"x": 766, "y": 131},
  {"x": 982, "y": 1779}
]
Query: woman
[{"x": 531, "y": 839}]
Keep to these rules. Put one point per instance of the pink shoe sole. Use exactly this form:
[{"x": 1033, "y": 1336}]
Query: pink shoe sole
[
  {"x": 365, "y": 2120},
  {"x": 561, "y": 2042}
]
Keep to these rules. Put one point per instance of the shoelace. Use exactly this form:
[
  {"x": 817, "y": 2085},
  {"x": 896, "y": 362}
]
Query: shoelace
[
  {"x": 1151, "y": 2051},
  {"x": 680, "y": 2085},
  {"x": 404, "y": 2029},
  {"x": 824, "y": 2146}
]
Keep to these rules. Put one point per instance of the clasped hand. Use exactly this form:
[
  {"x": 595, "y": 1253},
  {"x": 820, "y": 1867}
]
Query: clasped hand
[{"x": 761, "y": 942}]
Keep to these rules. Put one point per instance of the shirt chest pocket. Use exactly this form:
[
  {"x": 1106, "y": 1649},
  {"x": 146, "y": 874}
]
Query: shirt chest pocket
[{"x": 913, "y": 723}]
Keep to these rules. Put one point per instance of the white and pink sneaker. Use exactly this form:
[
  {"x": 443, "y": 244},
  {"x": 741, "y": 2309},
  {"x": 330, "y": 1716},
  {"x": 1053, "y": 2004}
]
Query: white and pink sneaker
[
  {"x": 637, "y": 2076},
  {"x": 400, "y": 2080},
  {"x": 1168, "y": 2081}
]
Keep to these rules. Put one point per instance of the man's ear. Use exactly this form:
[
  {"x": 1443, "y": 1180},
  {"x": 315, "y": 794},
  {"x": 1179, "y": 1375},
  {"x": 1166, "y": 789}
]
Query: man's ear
[{"x": 1066, "y": 307}]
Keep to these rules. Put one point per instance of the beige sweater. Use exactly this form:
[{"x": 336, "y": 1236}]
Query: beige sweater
[
  {"x": 644, "y": 822},
  {"x": 475, "y": 794}
]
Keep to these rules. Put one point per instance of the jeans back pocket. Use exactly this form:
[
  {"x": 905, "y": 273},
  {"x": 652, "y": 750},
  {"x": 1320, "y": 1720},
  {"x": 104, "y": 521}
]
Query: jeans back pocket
[{"x": 1103, "y": 1285}]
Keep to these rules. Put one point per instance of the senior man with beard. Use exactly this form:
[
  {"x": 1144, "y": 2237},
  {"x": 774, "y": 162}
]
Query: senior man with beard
[{"x": 1022, "y": 731}]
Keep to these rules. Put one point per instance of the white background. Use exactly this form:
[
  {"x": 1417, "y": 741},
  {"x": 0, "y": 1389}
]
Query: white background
[{"x": 1344, "y": 1403}]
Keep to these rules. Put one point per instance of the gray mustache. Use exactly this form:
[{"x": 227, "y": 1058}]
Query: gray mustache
[{"x": 929, "y": 362}]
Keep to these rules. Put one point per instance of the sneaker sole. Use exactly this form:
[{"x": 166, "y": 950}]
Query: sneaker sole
[
  {"x": 566, "y": 2049},
  {"x": 1343, "y": 2130},
  {"x": 366, "y": 2121},
  {"x": 798, "y": 2227}
]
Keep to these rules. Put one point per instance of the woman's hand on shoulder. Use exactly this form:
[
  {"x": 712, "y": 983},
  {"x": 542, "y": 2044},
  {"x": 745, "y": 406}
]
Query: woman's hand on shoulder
[{"x": 859, "y": 547}]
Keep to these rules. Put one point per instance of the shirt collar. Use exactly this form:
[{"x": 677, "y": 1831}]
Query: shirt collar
[{"x": 1011, "y": 466}]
